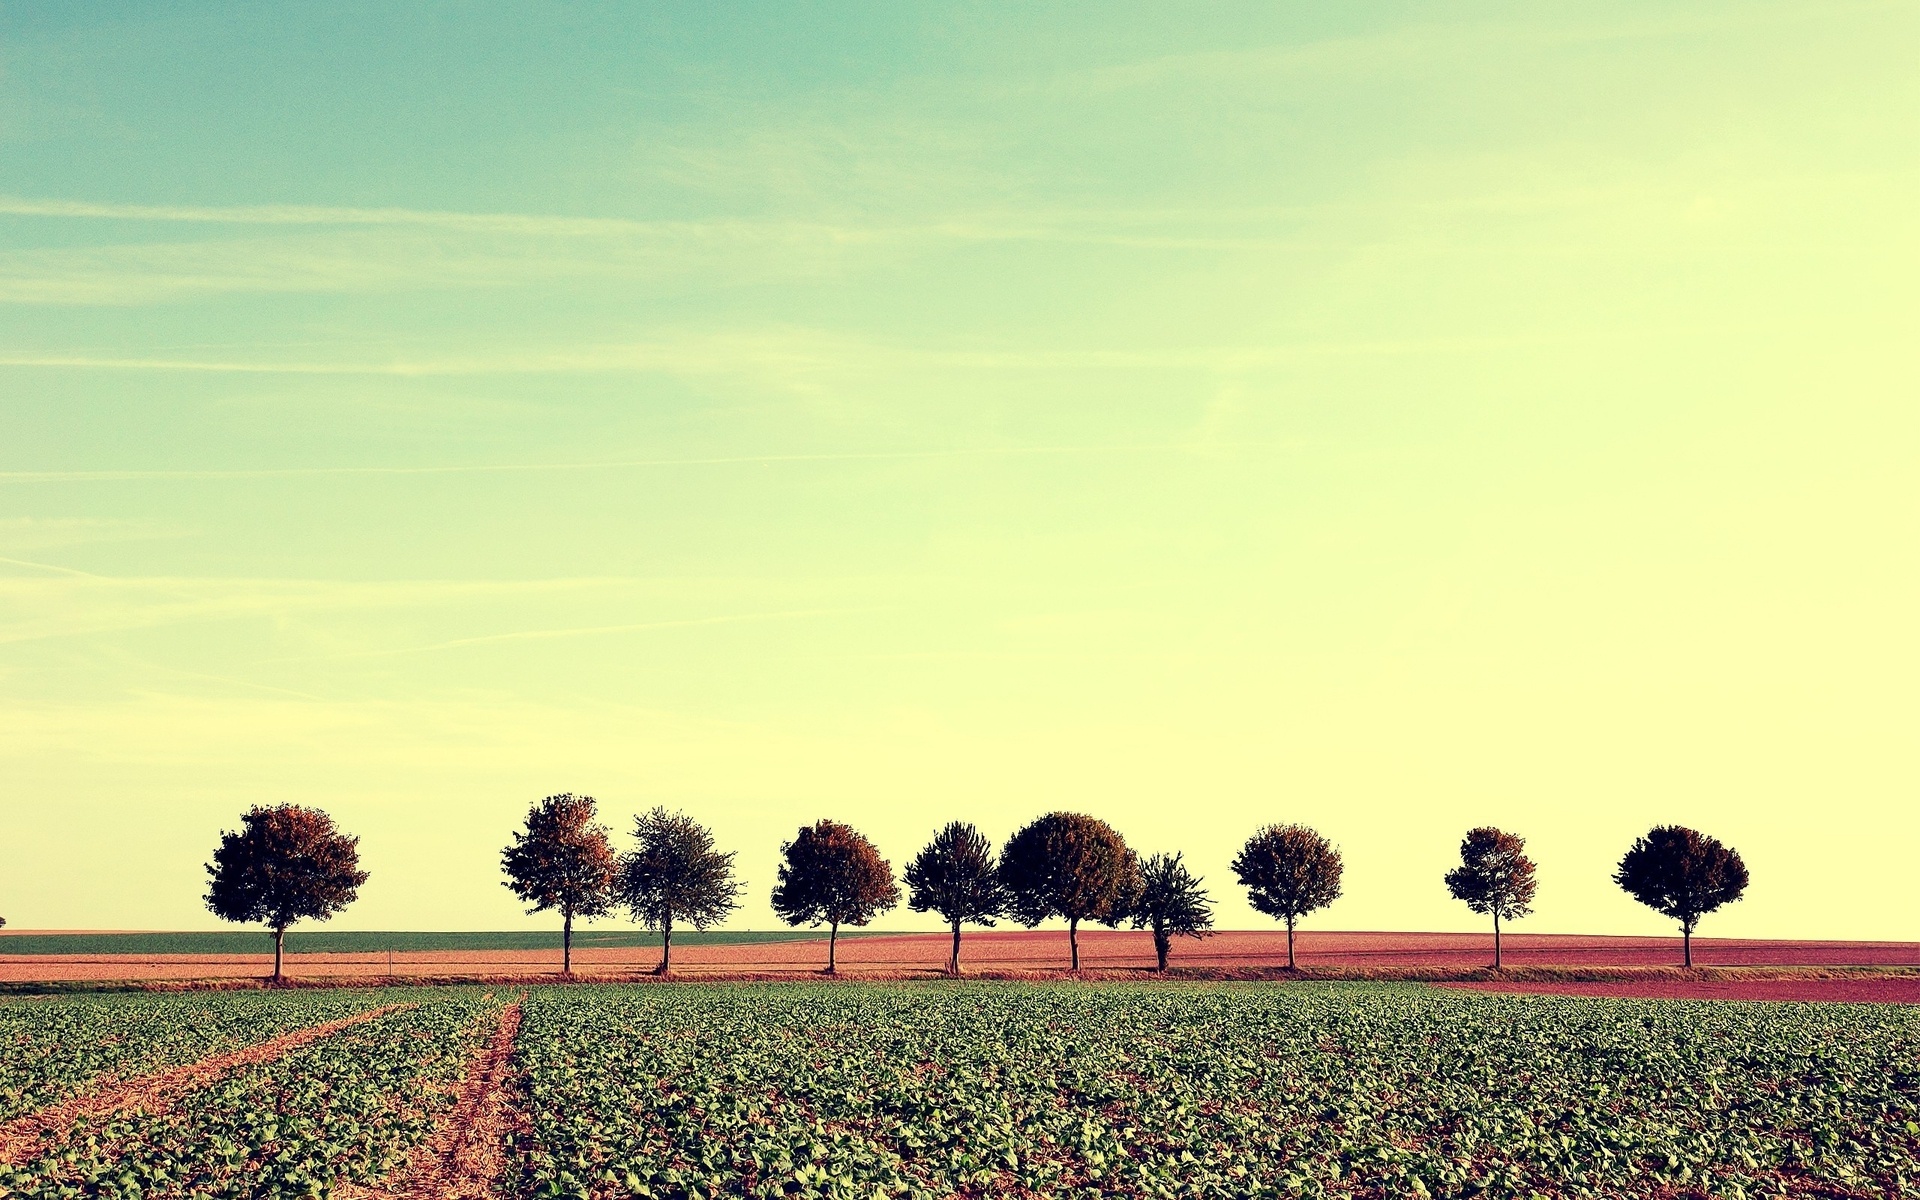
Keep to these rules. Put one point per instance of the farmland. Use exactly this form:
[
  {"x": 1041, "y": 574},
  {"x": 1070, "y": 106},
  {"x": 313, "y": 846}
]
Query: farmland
[
  {"x": 55, "y": 959},
  {"x": 970, "y": 1089},
  {"x": 335, "y": 1110},
  {"x": 54, "y": 1050}
]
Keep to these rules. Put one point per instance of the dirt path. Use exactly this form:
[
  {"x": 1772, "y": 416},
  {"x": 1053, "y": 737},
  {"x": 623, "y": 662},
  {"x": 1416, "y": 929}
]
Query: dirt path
[
  {"x": 465, "y": 1156},
  {"x": 22, "y": 1136}
]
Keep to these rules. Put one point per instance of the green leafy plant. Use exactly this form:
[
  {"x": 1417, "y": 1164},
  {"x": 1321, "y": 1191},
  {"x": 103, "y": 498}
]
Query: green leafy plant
[
  {"x": 346, "y": 1109},
  {"x": 1363, "y": 1091}
]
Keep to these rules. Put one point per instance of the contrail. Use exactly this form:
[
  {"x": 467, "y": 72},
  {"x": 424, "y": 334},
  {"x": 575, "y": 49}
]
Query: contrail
[
  {"x": 21, "y": 562},
  {"x": 520, "y": 635}
]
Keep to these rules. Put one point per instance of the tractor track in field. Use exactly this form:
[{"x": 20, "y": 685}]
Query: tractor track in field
[
  {"x": 48, "y": 1126},
  {"x": 466, "y": 1155}
]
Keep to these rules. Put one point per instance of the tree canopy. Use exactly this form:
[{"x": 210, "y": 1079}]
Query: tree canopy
[
  {"x": 673, "y": 875},
  {"x": 1170, "y": 902},
  {"x": 1289, "y": 871},
  {"x": 562, "y": 860},
  {"x": 1683, "y": 874},
  {"x": 957, "y": 876},
  {"x": 1495, "y": 877},
  {"x": 1072, "y": 866},
  {"x": 284, "y": 864},
  {"x": 833, "y": 875}
]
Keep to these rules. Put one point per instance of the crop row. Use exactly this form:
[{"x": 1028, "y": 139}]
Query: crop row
[
  {"x": 347, "y": 1108},
  {"x": 50, "y": 1049},
  {"x": 980, "y": 1090}
]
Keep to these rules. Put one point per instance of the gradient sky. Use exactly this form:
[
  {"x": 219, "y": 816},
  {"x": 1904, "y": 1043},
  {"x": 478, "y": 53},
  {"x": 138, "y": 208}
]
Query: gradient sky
[{"x": 1202, "y": 416}]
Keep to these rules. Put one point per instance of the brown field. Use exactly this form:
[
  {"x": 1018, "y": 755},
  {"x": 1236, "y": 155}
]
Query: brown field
[{"x": 1537, "y": 959}]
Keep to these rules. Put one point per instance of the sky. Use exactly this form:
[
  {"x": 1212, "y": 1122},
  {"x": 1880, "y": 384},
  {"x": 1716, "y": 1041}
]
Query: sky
[{"x": 1392, "y": 418}]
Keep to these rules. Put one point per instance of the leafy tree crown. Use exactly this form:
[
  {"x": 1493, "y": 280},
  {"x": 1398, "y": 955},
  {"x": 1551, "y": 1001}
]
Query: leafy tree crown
[
  {"x": 831, "y": 873},
  {"x": 1068, "y": 865},
  {"x": 282, "y": 865},
  {"x": 562, "y": 860},
  {"x": 1682, "y": 873},
  {"x": 673, "y": 875},
  {"x": 956, "y": 876},
  {"x": 1495, "y": 876},
  {"x": 1289, "y": 871},
  {"x": 1170, "y": 900}
]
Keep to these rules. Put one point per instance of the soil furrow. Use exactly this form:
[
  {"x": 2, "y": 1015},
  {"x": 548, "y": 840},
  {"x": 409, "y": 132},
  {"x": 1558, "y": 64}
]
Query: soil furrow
[
  {"x": 465, "y": 1156},
  {"x": 25, "y": 1135}
]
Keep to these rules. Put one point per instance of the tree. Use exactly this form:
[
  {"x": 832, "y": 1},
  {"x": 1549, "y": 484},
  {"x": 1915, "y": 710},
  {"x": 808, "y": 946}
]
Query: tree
[
  {"x": 672, "y": 874},
  {"x": 282, "y": 865},
  {"x": 1495, "y": 878},
  {"x": 1170, "y": 902},
  {"x": 957, "y": 877},
  {"x": 563, "y": 860},
  {"x": 1289, "y": 871},
  {"x": 1072, "y": 866},
  {"x": 833, "y": 875},
  {"x": 1683, "y": 874}
]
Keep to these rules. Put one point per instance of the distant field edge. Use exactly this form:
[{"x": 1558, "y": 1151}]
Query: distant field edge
[
  {"x": 324, "y": 941},
  {"x": 1636, "y": 977}
]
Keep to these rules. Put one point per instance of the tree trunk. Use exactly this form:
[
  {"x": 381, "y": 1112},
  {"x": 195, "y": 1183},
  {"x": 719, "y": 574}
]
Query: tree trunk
[
  {"x": 953, "y": 964},
  {"x": 1290, "y": 963},
  {"x": 1686, "y": 942},
  {"x": 1073, "y": 940},
  {"x": 566, "y": 941},
  {"x": 666, "y": 946},
  {"x": 279, "y": 945},
  {"x": 833, "y": 947},
  {"x": 1496, "y": 941},
  {"x": 1162, "y": 942}
]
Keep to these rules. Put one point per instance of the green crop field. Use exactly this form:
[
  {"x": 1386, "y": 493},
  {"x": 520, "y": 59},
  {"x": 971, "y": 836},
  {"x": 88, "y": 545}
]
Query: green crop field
[
  {"x": 1004, "y": 1089},
  {"x": 56, "y": 1048}
]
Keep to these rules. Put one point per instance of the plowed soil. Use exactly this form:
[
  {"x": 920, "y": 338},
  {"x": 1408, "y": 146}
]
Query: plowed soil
[{"x": 1016, "y": 952}]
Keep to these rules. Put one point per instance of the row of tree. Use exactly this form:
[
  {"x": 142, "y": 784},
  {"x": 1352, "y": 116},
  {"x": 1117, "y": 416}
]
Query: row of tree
[{"x": 289, "y": 863}]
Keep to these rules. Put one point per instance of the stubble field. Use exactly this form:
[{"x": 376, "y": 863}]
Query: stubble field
[{"x": 970, "y": 1089}]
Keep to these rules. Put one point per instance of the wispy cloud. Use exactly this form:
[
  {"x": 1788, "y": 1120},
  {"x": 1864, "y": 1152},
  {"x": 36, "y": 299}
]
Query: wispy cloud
[
  {"x": 1157, "y": 228},
  {"x": 790, "y": 355},
  {"x": 603, "y": 465},
  {"x": 360, "y": 259},
  {"x": 57, "y": 601},
  {"x": 38, "y": 533},
  {"x": 1438, "y": 47},
  {"x": 316, "y": 249},
  {"x": 529, "y": 224}
]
